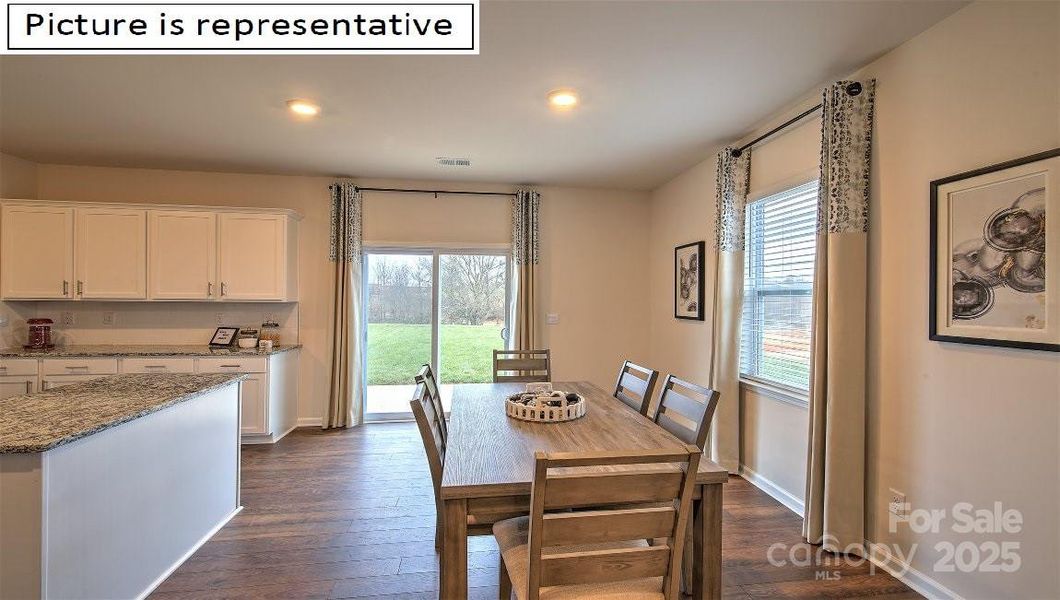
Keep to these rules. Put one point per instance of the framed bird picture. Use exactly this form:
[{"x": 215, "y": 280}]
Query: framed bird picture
[
  {"x": 995, "y": 263},
  {"x": 688, "y": 281}
]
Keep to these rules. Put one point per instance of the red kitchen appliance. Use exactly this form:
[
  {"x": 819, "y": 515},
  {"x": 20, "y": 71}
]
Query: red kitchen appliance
[{"x": 40, "y": 334}]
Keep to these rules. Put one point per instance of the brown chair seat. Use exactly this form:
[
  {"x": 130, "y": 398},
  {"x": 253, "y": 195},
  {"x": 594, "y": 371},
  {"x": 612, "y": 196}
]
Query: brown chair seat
[{"x": 513, "y": 537}]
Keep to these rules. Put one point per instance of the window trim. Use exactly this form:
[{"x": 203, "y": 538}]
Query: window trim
[{"x": 771, "y": 389}]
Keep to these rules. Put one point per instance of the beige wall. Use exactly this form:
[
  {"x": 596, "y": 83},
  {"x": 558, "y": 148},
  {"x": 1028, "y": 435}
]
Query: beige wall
[
  {"x": 593, "y": 247},
  {"x": 947, "y": 423},
  {"x": 18, "y": 177}
]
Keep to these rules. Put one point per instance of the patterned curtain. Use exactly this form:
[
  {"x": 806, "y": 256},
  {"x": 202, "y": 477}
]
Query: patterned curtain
[
  {"x": 525, "y": 242},
  {"x": 733, "y": 180},
  {"x": 835, "y": 480},
  {"x": 345, "y": 406}
]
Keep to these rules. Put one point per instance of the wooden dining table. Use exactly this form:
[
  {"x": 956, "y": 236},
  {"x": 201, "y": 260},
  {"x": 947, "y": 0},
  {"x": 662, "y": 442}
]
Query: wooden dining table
[{"x": 489, "y": 466}]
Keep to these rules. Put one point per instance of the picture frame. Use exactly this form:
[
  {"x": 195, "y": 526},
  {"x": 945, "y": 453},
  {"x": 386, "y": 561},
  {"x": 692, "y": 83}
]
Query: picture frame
[
  {"x": 224, "y": 337},
  {"x": 994, "y": 265},
  {"x": 688, "y": 281}
]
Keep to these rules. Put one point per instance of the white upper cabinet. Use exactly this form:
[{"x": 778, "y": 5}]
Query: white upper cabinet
[
  {"x": 254, "y": 257},
  {"x": 38, "y": 253},
  {"x": 183, "y": 263},
  {"x": 111, "y": 254}
]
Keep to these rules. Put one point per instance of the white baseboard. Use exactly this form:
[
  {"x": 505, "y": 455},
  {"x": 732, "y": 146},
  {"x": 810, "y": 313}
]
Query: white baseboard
[
  {"x": 778, "y": 493},
  {"x": 310, "y": 421},
  {"x": 922, "y": 584},
  {"x": 165, "y": 575}
]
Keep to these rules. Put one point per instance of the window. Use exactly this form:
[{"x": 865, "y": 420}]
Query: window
[{"x": 780, "y": 238}]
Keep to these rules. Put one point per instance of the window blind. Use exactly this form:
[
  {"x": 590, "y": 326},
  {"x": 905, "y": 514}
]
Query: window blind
[{"x": 780, "y": 236}]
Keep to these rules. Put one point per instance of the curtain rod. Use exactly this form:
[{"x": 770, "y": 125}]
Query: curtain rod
[
  {"x": 435, "y": 192},
  {"x": 853, "y": 89}
]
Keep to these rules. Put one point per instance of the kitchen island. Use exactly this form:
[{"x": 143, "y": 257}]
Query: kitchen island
[{"x": 106, "y": 486}]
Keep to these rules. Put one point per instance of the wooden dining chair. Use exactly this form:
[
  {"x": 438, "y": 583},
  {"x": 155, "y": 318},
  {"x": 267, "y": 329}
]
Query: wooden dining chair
[
  {"x": 426, "y": 377},
  {"x": 686, "y": 410},
  {"x": 635, "y": 386},
  {"x": 522, "y": 366},
  {"x": 586, "y": 535},
  {"x": 431, "y": 422}
]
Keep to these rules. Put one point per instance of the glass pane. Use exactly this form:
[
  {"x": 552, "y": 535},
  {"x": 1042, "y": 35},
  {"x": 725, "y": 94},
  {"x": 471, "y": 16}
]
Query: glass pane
[
  {"x": 472, "y": 300},
  {"x": 398, "y": 311}
]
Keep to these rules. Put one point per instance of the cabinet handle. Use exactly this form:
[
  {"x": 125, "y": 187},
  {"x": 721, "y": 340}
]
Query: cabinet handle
[
  {"x": 78, "y": 367},
  {"x": 80, "y": 287},
  {"x": 66, "y": 288},
  {"x": 224, "y": 288},
  {"x": 209, "y": 289},
  {"x": 229, "y": 366},
  {"x": 154, "y": 366}
]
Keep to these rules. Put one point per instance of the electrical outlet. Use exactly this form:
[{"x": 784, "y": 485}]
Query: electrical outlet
[
  {"x": 898, "y": 506},
  {"x": 553, "y": 318},
  {"x": 109, "y": 318},
  {"x": 267, "y": 317},
  {"x": 67, "y": 319},
  {"x": 220, "y": 318}
]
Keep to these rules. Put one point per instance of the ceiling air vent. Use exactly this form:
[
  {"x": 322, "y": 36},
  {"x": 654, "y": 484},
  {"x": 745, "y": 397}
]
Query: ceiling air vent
[{"x": 446, "y": 161}]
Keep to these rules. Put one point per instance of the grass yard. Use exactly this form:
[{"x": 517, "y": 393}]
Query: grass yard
[{"x": 397, "y": 351}]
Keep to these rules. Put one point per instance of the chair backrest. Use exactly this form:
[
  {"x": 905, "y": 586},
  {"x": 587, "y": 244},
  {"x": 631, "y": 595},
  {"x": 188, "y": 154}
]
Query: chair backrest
[
  {"x": 686, "y": 409},
  {"x": 635, "y": 386},
  {"x": 430, "y": 423},
  {"x": 632, "y": 498},
  {"x": 522, "y": 365},
  {"x": 426, "y": 377}
]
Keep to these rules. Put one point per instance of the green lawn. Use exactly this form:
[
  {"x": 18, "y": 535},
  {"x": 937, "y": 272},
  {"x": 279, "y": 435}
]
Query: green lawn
[{"x": 397, "y": 351}]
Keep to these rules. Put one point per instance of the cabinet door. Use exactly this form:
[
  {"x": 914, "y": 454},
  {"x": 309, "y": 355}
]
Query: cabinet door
[
  {"x": 16, "y": 386},
  {"x": 183, "y": 255},
  {"x": 254, "y": 400},
  {"x": 253, "y": 257},
  {"x": 111, "y": 253},
  {"x": 37, "y": 252}
]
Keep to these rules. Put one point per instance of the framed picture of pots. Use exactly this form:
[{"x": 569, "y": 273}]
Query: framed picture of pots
[
  {"x": 995, "y": 265},
  {"x": 688, "y": 281}
]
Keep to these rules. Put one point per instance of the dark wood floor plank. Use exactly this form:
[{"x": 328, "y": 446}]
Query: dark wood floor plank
[{"x": 350, "y": 514}]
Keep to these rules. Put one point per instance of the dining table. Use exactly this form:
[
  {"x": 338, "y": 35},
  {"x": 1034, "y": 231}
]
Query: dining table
[{"x": 489, "y": 465}]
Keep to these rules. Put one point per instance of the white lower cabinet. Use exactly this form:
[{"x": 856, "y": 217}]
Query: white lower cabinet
[{"x": 268, "y": 395}]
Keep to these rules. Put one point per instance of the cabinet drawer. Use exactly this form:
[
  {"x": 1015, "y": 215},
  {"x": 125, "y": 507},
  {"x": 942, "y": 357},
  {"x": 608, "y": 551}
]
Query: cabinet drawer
[
  {"x": 18, "y": 366},
  {"x": 158, "y": 365},
  {"x": 79, "y": 366},
  {"x": 234, "y": 364}
]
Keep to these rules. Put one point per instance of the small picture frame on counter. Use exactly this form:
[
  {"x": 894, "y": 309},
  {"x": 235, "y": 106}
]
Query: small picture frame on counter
[{"x": 224, "y": 337}]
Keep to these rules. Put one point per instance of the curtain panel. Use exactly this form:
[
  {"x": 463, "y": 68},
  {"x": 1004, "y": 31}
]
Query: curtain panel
[
  {"x": 835, "y": 479},
  {"x": 733, "y": 180},
  {"x": 525, "y": 244},
  {"x": 345, "y": 402}
]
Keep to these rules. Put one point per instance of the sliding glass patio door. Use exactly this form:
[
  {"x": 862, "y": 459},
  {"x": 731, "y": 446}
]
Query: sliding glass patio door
[{"x": 443, "y": 307}]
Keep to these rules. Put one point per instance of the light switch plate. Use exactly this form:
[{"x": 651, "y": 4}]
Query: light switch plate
[
  {"x": 67, "y": 319},
  {"x": 553, "y": 318},
  {"x": 108, "y": 317}
]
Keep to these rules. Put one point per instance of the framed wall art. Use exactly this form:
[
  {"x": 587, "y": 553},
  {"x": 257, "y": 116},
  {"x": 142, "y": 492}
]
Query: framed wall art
[
  {"x": 995, "y": 266},
  {"x": 688, "y": 281}
]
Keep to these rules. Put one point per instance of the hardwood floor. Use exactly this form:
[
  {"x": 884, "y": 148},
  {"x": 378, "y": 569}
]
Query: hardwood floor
[{"x": 350, "y": 514}]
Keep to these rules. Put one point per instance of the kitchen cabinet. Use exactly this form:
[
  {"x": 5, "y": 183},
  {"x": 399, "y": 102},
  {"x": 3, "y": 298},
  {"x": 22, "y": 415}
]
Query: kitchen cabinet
[
  {"x": 254, "y": 418},
  {"x": 111, "y": 254},
  {"x": 37, "y": 261},
  {"x": 17, "y": 377},
  {"x": 183, "y": 255},
  {"x": 269, "y": 393},
  {"x": 254, "y": 251}
]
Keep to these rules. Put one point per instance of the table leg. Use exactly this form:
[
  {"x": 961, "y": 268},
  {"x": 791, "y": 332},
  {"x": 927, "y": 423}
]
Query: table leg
[
  {"x": 706, "y": 541},
  {"x": 453, "y": 579}
]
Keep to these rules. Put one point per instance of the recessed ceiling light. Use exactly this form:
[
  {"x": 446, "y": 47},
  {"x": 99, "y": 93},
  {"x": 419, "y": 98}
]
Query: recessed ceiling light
[
  {"x": 303, "y": 108},
  {"x": 563, "y": 99}
]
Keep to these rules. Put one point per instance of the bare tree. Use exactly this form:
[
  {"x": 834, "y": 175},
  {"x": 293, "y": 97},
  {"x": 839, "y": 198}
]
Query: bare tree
[{"x": 474, "y": 288}]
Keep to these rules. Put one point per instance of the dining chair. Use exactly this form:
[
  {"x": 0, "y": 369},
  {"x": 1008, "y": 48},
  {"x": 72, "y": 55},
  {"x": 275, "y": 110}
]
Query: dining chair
[
  {"x": 430, "y": 421},
  {"x": 635, "y": 386},
  {"x": 686, "y": 409},
  {"x": 586, "y": 535},
  {"x": 522, "y": 365},
  {"x": 426, "y": 377}
]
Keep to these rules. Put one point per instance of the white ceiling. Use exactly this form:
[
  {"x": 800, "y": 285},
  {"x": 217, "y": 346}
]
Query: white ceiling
[{"x": 661, "y": 83}]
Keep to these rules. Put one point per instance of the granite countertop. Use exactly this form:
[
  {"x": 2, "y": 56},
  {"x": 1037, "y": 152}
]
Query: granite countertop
[
  {"x": 45, "y": 420},
  {"x": 87, "y": 350}
]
